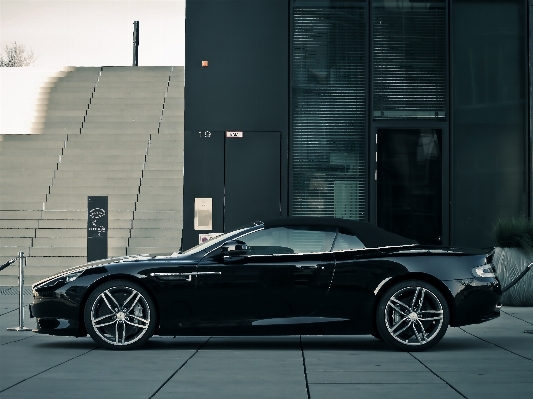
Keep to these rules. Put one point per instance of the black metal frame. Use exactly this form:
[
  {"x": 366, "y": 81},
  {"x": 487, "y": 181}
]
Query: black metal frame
[
  {"x": 418, "y": 123},
  {"x": 528, "y": 4}
]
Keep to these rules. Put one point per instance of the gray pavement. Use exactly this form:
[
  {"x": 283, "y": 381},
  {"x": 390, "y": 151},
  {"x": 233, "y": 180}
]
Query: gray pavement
[{"x": 491, "y": 360}]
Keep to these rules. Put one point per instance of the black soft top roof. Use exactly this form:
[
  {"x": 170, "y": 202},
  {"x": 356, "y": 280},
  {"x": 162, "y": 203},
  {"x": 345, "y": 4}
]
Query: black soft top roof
[{"x": 370, "y": 235}]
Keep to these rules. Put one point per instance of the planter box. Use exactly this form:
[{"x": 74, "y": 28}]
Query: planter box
[{"x": 509, "y": 263}]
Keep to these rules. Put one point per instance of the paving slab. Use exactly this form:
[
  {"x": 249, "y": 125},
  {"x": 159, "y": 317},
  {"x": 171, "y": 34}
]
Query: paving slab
[
  {"x": 382, "y": 390},
  {"x": 490, "y": 360},
  {"x": 252, "y": 368}
]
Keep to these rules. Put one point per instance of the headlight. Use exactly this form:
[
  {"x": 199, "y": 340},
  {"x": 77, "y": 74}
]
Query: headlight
[
  {"x": 60, "y": 280},
  {"x": 483, "y": 271}
]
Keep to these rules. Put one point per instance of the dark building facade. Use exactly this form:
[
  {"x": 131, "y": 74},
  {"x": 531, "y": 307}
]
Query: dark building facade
[{"x": 414, "y": 115}]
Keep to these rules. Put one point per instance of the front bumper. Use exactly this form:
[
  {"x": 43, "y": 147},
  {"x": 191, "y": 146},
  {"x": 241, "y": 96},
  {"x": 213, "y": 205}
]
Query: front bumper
[
  {"x": 56, "y": 314},
  {"x": 61, "y": 327}
]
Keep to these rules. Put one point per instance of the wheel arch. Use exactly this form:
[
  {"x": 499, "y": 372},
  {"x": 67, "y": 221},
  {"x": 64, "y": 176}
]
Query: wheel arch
[
  {"x": 428, "y": 278},
  {"x": 110, "y": 277}
]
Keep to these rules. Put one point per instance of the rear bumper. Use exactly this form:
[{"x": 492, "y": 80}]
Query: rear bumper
[{"x": 476, "y": 300}]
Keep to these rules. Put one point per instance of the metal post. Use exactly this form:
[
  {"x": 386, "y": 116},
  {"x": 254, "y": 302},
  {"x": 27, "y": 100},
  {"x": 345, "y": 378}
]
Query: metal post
[
  {"x": 135, "y": 43},
  {"x": 22, "y": 262}
]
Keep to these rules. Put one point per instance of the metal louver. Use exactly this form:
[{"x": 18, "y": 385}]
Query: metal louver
[{"x": 328, "y": 154}]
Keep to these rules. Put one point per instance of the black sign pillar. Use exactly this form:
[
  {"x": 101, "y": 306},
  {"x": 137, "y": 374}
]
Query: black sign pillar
[
  {"x": 96, "y": 228},
  {"x": 135, "y": 43}
]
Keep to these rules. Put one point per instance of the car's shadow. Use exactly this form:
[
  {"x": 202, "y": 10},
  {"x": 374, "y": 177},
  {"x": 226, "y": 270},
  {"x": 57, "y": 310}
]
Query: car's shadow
[
  {"x": 75, "y": 343},
  {"x": 365, "y": 343}
]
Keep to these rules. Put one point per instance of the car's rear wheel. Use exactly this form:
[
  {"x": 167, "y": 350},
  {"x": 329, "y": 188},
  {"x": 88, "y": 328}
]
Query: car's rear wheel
[
  {"x": 412, "y": 316},
  {"x": 120, "y": 315}
]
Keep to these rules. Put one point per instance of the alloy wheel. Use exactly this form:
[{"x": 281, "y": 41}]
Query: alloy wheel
[
  {"x": 120, "y": 315},
  {"x": 414, "y": 316}
]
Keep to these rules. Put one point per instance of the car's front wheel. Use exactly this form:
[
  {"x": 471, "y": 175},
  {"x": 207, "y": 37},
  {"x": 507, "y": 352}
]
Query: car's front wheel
[
  {"x": 119, "y": 315},
  {"x": 412, "y": 316}
]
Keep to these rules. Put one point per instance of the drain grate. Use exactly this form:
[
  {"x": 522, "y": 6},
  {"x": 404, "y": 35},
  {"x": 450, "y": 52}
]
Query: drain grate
[{"x": 14, "y": 291}]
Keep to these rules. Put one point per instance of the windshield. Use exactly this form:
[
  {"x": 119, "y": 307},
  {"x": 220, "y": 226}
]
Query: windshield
[{"x": 212, "y": 242}]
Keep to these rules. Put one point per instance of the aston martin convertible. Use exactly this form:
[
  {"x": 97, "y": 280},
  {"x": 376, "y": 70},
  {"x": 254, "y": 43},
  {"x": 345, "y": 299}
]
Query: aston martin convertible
[{"x": 298, "y": 275}]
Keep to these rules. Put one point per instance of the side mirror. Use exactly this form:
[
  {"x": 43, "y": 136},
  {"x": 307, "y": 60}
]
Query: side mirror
[{"x": 234, "y": 248}]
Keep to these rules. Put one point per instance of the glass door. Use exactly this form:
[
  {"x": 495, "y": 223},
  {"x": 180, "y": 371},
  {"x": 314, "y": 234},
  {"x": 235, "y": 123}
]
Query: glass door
[{"x": 409, "y": 183}]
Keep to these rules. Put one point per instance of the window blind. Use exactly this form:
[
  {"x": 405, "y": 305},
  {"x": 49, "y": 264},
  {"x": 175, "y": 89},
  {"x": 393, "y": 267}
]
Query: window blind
[
  {"x": 328, "y": 153},
  {"x": 409, "y": 59}
]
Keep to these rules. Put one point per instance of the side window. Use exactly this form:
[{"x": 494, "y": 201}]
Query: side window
[
  {"x": 289, "y": 240},
  {"x": 346, "y": 241}
]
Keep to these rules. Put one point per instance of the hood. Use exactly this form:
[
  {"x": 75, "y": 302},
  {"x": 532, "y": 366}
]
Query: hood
[{"x": 118, "y": 259}]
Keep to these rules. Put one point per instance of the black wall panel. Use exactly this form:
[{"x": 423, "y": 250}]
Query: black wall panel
[
  {"x": 489, "y": 125},
  {"x": 245, "y": 86},
  {"x": 204, "y": 178}
]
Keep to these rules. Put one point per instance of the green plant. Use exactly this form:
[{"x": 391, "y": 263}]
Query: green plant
[{"x": 514, "y": 232}]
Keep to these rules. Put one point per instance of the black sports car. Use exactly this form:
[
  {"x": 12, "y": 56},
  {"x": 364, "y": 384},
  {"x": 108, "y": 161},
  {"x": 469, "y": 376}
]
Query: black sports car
[{"x": 298, "y": 275}]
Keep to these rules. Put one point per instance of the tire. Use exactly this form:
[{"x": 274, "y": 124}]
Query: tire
[
  {"x": 412, "y": 316},
  {"x": 120, "y": 315}
]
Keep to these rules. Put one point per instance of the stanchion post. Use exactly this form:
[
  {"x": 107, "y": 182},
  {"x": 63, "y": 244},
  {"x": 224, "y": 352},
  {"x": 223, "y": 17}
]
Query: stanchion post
[{"x": 22, "y": 263}]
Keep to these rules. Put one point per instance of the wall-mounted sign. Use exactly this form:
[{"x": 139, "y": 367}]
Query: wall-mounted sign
[
  {"x": 204, "y": 237},
  {"x": 203, "y": 214},
  {"x": 234, "y": 134}
]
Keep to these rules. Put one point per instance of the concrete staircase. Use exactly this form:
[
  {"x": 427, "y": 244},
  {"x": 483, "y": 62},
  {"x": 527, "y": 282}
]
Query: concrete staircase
[{"x": 114, "y": 131}]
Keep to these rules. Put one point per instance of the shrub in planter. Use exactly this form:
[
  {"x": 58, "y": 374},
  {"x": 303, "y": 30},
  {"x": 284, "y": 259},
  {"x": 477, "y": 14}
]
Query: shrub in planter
[{"x": 514, "y": 252}]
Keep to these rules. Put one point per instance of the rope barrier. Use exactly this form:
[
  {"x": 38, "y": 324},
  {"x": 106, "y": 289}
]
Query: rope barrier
[
  {"x": 8, "y": 263},
  {"x": 517, "y": 278}
]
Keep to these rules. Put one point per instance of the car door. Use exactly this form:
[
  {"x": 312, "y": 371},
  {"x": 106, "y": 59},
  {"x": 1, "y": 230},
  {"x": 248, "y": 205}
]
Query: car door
[
  {"x": 358, "y": 273},
  {"x": 283, "y": 277}
]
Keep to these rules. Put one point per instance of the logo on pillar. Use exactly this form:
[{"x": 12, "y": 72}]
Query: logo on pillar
[{"x": 96, "y": 228}]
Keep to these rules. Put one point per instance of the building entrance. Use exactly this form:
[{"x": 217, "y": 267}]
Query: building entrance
[
  {"x": 409, "y": 181},
  {"x": 232, "y": 179}
]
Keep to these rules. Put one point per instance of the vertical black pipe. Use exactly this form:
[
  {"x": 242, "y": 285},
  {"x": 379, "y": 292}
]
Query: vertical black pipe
[{"x": 135, "y": 43}]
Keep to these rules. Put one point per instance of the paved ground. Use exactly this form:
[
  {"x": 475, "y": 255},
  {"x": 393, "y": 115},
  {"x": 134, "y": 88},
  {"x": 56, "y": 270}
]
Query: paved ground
[{"x": 491, "y": 360}]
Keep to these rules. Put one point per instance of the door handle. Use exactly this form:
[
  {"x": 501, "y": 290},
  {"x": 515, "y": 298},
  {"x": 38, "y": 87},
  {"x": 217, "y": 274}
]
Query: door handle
[{"x": 306, "y": 267}]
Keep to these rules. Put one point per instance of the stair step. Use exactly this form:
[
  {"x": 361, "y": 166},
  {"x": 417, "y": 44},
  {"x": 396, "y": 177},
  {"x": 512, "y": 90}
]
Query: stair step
[
  {"x": 18, "y": 224},
  {"x": 151, "y": 250},
  {"x": 82, "y": 198},
  {"x": 155, "y": 233},
  {"x": 94, "y": 190},
  {"x": 82, "y": 206},
  {"x": 21, "y": 206},
  {"x": 98, "y": 174},
  {"x": 93, "y": 181},
  {"x": 164, "y": 215},
  {"x": 78, "y": 233},
  {"x": 16, "y": 233}
]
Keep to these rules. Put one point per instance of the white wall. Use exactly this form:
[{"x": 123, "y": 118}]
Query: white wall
[{"x": 19, "y": 95}]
